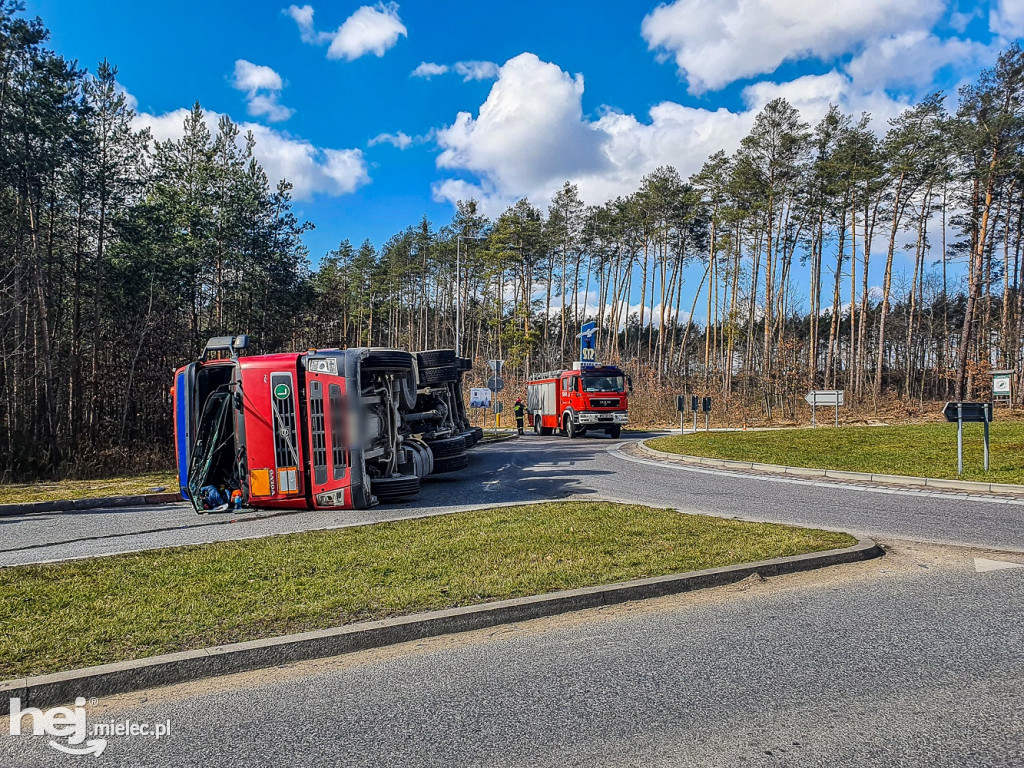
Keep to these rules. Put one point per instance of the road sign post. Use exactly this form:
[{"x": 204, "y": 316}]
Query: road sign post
[
  {"x": 970, "y": 412},
  {"x": 829, "y": 397}
]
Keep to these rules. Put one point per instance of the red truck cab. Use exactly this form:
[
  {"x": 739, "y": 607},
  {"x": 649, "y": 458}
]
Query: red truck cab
[
  {"x": 578, "y": 401},
  {"x": 304, "y": 430}
]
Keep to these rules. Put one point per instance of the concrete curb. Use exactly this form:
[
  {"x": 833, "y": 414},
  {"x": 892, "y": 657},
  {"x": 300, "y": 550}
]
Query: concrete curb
[
  {"x": 780, "y": 469},
  {"x": 72, "y": 505},
  {"x": 108, "y": 679}
]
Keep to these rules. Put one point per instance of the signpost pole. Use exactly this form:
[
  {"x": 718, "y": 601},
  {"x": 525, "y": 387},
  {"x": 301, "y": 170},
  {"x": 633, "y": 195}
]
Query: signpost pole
[
  {"x": 680, "y": 422},
  {"x": 706, "y": 429},
  {"x": 986, "y": 440},
  {"x": 694, "y": 421},
  {"x": 813, "y": 420},
  {"x": 959, "y": 439},
  {"x": 837, "y": 414}
]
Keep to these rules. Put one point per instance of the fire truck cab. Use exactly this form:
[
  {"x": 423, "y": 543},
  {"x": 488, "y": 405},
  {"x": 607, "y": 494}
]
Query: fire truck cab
[{"x": 579, "y": 401}]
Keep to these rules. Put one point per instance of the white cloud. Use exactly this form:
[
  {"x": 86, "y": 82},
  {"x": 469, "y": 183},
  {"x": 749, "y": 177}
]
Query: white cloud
[
  {"x": 529, "y": 130},
  {"x": 428, "y": 69},
  {"x": 255, "y": 77},
  {"x": 716, "y": 42},
  {"x": 477, "y": 70},
  {"x": 531, "y": 135},
  {"x": 812, "y": 95},
  {"x": 1006, "y": 18},
  {"x": 262, "y": 87},
  {"x": 470, "y": 70},
  {"x": 303, "y": 16},
  {"x": 370, "y": 29},
  {"x": 311, "y": 170},
  {"x": 911, "y": 58},
  {"x": 401, "y": 140}
]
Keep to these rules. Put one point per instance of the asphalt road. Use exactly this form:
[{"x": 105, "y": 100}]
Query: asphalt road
[
  {"x": 914, "y": 660},
  {"x": 536, "y": 468}
]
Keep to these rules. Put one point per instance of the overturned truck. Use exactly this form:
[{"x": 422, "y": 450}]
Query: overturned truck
[{"x": 327, "y": 428}]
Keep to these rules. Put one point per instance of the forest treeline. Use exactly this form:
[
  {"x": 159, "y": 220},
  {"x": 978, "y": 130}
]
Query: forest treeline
[{"x": 754, "y": 279}]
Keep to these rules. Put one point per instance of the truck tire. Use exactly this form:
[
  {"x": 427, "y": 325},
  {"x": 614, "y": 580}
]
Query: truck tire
[
  {"x": 615, "y": 431},
  {"x": 466, "y": 363},
  {"x": 451, "y": 464},
  {"x": 433, "y": 358},
  {"x": 388, "y": 360},
  {"x": 569, "y": 427},
  {"x": 447, "y": 446},
  {"x": 395, "y": 487},
  {"x": 470, "y": 437},
  {"x": 441, "y": 375},
  {"x": 479, "y": 432}
]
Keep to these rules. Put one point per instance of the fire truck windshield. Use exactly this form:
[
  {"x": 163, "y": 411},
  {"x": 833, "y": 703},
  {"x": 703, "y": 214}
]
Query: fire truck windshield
[{"x": 603, "y": 384}]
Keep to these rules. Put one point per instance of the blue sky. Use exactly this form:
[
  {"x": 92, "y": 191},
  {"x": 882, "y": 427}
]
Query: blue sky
[{"x": 599, "y": 92}]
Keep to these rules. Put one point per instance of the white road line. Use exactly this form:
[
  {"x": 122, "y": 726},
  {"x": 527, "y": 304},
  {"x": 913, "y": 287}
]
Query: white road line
[{"x": 615, "y": 450}]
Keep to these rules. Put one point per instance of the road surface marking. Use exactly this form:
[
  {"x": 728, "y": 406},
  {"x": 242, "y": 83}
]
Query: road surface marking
[{"x": 984, "y": 565}]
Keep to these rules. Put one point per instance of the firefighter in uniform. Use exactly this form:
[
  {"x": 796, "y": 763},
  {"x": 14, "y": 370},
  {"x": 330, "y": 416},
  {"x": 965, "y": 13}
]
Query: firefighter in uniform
[{"x": 519, "y": 411}]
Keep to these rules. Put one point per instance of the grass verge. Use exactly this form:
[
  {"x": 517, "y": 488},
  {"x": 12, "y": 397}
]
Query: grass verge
[
  {"x": 80, "y": 613},
  {"x": 22, "y": 493},
  {"x": 921, "y": 450}
]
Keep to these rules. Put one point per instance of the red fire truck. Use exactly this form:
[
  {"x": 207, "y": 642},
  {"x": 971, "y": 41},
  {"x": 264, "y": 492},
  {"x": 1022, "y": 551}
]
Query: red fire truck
[
  {"x": 579, "y": 401},
  {"x": 327, "y": 428}
]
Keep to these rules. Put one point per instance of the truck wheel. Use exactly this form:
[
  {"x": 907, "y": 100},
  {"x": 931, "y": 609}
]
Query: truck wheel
[
  {"x": 615, "y": 431},
  {"x": 407, "y": 386},
  {"x": 441, "y": 375},
  {"x": 388, "y": 360},
  {"x": 451, "y": 464},
  {"x": 479, "y": 432},
  {"x": 536, "y": 425},
  {"x": 395, "y": 487},
  {"x": 569, "y": 428},
  {"x": 466, "y": 363},
  {"x": 470, "y": 437},
  {"x": 432, "y": 358},
  {"x": 447, "y": 446}
]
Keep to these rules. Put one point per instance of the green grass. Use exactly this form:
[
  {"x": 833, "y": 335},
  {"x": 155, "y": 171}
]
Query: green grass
[
  {"x": 80, "y": 613},
  {"x": 20, "y": 493},
  {"x": 921, "y": 450}
]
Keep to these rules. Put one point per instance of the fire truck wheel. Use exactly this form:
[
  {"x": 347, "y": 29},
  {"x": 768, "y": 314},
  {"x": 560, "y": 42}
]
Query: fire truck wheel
[
  {"x": 432, "y": 358},
  {"x": 447, "y": 446},
  {"x": 395, "y": 487},
  {"x": 536, "y": 425},
  {"x": 615, "y": 432},
  {"x": 441, "y": 375},
  {"x": 568, "y": 427},
  {"x": 388, "y": 360},
  {"x": 451, "y": 464},
  {"x": 479, "y": 432}
]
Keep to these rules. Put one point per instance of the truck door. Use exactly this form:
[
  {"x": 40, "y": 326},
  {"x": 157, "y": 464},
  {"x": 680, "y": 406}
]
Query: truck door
[{"x": 329, "y": 464}]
